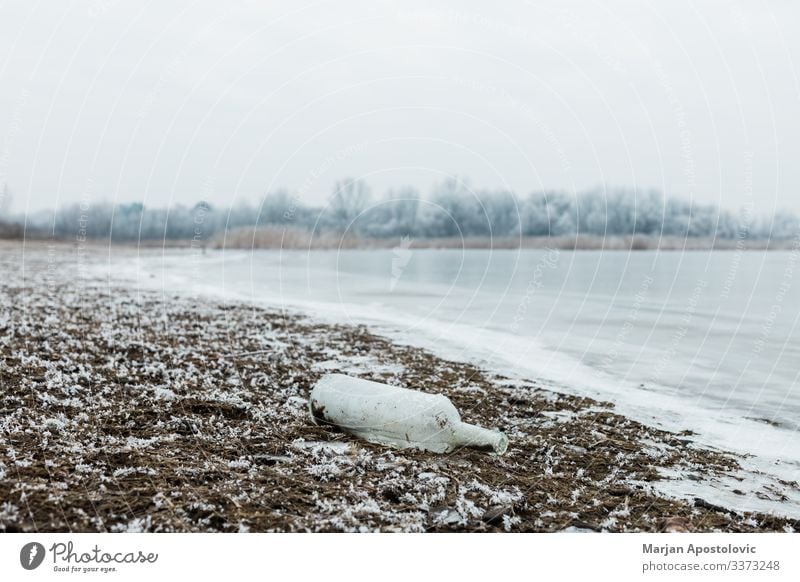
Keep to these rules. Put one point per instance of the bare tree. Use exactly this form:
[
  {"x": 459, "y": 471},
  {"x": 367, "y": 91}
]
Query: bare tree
[
  {"x": 8, "y": 227},
  {"x": 350, "y": 198},
  {"x": 276, "y": 207},
  {"x": 5, "y": 202}
]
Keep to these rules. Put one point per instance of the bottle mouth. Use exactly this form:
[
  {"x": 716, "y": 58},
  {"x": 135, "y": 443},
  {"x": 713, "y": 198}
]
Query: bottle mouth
[
  {"x": 483, "y": 439},
  {"x": 501, "y": 446}
]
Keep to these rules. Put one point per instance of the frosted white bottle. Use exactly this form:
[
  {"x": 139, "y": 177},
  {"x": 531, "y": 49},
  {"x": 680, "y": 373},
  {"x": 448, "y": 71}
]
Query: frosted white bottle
[{"x": 385, "y": 414}]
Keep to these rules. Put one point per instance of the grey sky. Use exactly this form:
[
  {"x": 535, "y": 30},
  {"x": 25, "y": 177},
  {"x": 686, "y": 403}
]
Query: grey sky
[{"x": 176, "y": 101}]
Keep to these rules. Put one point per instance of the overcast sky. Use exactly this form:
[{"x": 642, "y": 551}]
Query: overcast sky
[{"x": 174, "y": 101}]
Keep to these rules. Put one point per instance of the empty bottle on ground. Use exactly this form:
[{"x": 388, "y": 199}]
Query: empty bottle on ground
[{"x": 385, "y": 414}]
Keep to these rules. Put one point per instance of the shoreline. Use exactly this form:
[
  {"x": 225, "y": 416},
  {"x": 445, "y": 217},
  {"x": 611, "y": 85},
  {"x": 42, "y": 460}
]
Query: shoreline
[
  {"x": 128, "y": 410},
  {"x": 275, "y": 238}
]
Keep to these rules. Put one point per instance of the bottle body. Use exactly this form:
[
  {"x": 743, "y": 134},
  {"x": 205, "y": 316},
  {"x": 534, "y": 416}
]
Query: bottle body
[{"x": 396, "y": 416}]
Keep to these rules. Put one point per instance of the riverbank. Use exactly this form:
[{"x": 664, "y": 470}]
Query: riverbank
[
  {"x": 290, "y": 238},
  {"x": 133, "y": 410},
  {"x": 267, "y": 237}
]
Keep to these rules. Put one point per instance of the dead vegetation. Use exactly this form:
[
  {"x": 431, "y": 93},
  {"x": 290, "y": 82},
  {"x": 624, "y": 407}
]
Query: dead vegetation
[{"x": 277, "y": 237}]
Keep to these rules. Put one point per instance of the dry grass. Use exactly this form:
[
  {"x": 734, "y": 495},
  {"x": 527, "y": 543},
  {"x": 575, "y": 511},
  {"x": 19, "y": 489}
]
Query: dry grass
[
  {"x": 286, "y": 238},
  {"x": 10, "y": 231},
  {"x": 297, "y": 238},
  {"x": 275, "y": 237}
]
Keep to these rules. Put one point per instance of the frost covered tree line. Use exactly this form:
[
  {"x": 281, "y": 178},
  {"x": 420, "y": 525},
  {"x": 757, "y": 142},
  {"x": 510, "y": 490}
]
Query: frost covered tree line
[{"x": 452, "y": 209}]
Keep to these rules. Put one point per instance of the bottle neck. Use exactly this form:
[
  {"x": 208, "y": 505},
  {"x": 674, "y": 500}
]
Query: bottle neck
[{"x": 476, "y": 437}]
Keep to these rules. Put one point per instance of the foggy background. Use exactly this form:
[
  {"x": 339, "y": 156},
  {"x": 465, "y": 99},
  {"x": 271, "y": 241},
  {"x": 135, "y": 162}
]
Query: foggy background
[{"x": 175, "y": 102}]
